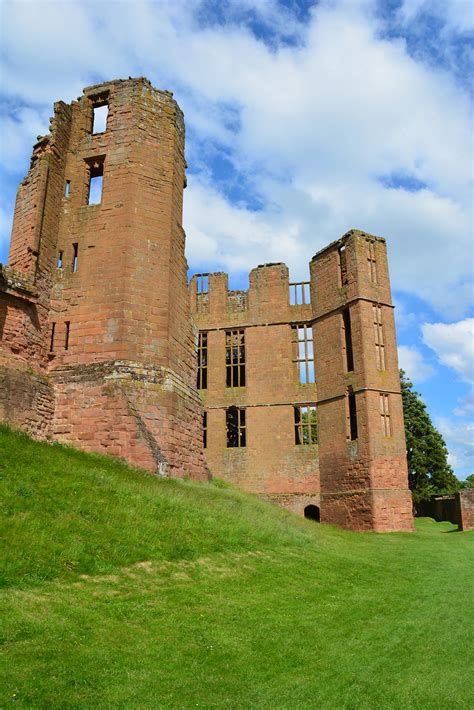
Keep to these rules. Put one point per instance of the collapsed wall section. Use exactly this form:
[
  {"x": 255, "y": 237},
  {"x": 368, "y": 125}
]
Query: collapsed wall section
[{"x": 26, "y": 393}]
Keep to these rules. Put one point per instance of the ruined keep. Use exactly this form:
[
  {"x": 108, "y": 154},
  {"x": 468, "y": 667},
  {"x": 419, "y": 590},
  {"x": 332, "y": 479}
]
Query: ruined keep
[{"x": 289, "y": 390}]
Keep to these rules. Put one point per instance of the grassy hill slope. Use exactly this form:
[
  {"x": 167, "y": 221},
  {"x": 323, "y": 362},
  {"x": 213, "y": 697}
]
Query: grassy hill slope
[{"x": 124, "y": 591}]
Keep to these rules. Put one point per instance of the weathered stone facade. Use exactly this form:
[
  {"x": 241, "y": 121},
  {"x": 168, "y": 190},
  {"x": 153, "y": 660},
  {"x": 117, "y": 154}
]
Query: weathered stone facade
[
  {"x": 98, "y": 340},
  {"x": 354, "y": 472},
  {"x": 95, "y": 317}
]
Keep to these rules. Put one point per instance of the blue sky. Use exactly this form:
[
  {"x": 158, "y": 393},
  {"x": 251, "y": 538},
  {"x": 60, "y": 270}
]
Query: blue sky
[{"x": 304, "y": 119}]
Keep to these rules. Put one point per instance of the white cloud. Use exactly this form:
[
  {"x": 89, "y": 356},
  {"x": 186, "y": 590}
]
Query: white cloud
[
  {"x": 458, "y": 15},
  {"x": 309, "y": 127},
  {"x": 411, "y": 360},
  {"x": 234, "y": 236},
  {"x": 466, "y": 405},
  {"x": 460, "y": 440},
  {"x": 453, "y": 343},
  {"x": 16, "y": 128}
]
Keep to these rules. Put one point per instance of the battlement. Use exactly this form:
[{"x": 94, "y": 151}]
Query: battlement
[{"x": 270, "y": 292}]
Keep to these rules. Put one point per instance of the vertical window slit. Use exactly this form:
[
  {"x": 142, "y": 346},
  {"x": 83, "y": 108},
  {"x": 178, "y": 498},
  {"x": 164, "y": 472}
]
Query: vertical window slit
[
  {"x": 342, "y": 265},
  {"x": 66, "y": 336},
  {"x": 379, "y": 339},
  {"x": 60, "y": 260},
  {"x": 75, "y": 252},
  {"x": 352, "y": 416},
  {"x": 346, "y": 325},
  {"x": 202, "y": 362},
  {"x": 204, "y": 430},
  {"x": 385, "y": 415},
  {"x": 51, "y": 344},
  {"x": 67, "y": 188},
  {"x": 371, "y": 262}
]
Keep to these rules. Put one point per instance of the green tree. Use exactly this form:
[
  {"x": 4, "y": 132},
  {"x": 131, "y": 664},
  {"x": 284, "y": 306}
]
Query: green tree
[
  {"x": 428, "y": 469},
  {"x": 468, "y": 482}
]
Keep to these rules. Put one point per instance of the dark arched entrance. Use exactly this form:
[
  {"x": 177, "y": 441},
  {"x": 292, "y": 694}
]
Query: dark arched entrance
[{"x": 312, "y": 513}]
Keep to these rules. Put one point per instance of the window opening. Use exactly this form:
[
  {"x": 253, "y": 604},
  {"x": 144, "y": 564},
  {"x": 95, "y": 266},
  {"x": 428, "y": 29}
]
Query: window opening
[
  {"x": 67, "y": 189},
  {"x": 96, "y": 173},
  {"x": 202, "y": 283},
  {"x": 66, "y": 337},
  {"x": 312, "y": 513},
  {"x": 351, "y": 416},
  {"x": 300, "y": 293},
  {"x": 235, "y": 358},
  {"x": 202, "y": 362},
  {"x": 60, "y": 260},
  {"x": 51, "y": 344},
  {"x": 306, "y": 432},
  {"x": 202, "y": 289},
  {"x": 100, "y": 112},
  {"x": 347, "y": 328},
  {"x": 235, "y": 424},
  {"x": 304, "y": 355},
  {"x": 204, "y": 430},
  {"x": 371, "y": 262},
  {"x": 75, "y": 257},
  {"x": 342, "y": 265},
  {"x": 378, "y": 335},
  {"x": 385, "y": 415}
]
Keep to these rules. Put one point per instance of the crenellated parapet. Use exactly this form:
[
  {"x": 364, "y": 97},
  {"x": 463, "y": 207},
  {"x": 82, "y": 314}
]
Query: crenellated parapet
[{"x": 270, "y": 293}]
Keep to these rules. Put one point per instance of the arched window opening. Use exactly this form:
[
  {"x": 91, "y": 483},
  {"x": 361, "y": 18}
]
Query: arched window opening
[{"x": 312, "y": 513}]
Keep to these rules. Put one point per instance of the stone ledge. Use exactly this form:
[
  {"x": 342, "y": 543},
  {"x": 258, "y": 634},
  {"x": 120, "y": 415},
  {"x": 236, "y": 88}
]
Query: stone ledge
[{"x": 17, "y": 284}]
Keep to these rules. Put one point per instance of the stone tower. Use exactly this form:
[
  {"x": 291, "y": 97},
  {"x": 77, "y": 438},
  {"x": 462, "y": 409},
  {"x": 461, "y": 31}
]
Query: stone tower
[
  {"x": 96, "y": 289},
  {"x": 362, "y": 451}
]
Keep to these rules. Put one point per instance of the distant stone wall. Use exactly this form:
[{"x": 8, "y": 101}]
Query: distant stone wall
[
  {"x": 466, "y": 509},
  {"x": 457, "y": 509}
]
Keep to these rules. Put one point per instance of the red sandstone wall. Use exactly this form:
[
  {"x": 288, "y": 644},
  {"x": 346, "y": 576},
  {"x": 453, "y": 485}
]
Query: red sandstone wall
[
  {"x": 26, "y": 395},
  {"x": 466, "y": 509},
  {"x": 126, "y": 304},
  {"x": 364, "y": 482},
  {"x": 271, "y": 464},
  {"x": 122, "y": 377}
]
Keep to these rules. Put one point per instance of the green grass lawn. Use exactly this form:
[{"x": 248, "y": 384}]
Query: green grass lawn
[{"x": 120, "y": 590}]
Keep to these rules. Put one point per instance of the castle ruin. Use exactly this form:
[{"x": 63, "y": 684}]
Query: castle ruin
[{"x": 289, "y": 390}]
